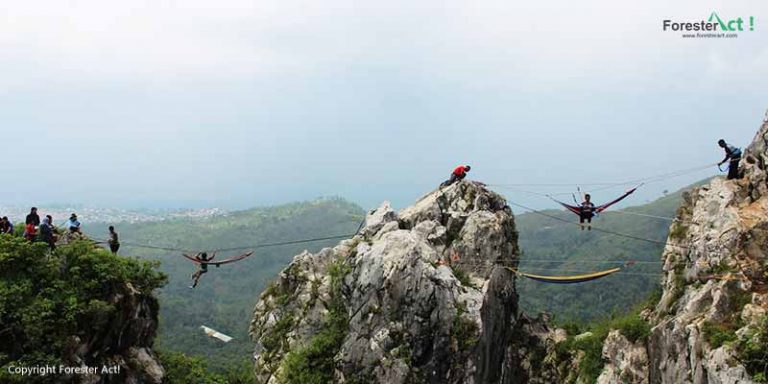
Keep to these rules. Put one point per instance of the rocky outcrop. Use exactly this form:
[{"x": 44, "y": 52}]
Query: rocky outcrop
[
  {"x": 714, "y": 289},
  {"x": 627, "y": 362},
  {"x": 123, "y": 342},
  {"x": 418, "y": 296},
  {"x": 715, "y": 278}
]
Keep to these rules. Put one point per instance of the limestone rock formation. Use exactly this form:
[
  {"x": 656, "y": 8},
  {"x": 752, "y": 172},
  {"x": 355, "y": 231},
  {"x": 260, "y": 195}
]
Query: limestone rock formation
[
  {"x": 417, "y": 296},
  {"x": 125, "y": 340},
  {"x": 627, "y": 361}
]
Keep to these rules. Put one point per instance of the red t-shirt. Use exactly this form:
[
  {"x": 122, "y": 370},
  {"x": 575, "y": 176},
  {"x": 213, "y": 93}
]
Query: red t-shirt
[
  {"x": 31, "y": 229},
  {"x": 460, "y": 170}
]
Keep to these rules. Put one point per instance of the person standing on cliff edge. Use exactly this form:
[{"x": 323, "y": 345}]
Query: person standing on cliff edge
[
  {"x": 732, "y": 153},
  {"x": 458, "y": 174},
  {"x": 114, "y": 241}
]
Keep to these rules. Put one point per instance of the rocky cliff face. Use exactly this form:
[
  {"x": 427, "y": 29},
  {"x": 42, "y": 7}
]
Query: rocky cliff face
[
  {"x": 123, "y": 340},
  {"x": 715, "y": 295},
  {"x": 417, "y": 296}
]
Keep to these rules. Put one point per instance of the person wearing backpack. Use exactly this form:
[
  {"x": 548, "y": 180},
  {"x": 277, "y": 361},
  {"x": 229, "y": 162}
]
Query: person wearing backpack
[
  {"x": 46, "y": 233},
  {"x": 733, "y": 154},
  {"x": 114, "y": 241}
]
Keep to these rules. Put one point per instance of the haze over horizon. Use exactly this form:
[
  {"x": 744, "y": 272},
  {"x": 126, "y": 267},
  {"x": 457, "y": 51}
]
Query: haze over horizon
[{"x": 242, "y": 103}]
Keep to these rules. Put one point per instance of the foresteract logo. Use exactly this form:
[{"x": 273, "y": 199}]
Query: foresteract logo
[
  {"x": 717, "y": 25},
  {"x": 736, "y": 24}
]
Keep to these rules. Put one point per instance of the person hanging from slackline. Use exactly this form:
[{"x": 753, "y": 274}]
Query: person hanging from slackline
[
  {"x": 587, "y": 210},
  {"x": 734, "y": 154},
  {"x": 202, "y": 267},
  {"x": 203, "y": 261},
  {"x": 458, "y": 174}
]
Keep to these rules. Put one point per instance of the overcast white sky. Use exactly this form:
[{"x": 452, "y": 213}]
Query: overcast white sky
[{"x": 244, "y": 103}]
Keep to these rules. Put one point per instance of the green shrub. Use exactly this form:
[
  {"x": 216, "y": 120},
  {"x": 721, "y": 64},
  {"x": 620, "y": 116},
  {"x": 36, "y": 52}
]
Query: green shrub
[
  {"x": 724, "y": 332},
  {"x": 718, "y": 334},
  {"x": 46, "y": 298},
  {"x": 592, "y": 364},
  {"x": 463, "y": 330},
  {"x": 314, "y": 363},
  {"x": 633, "y": 327},
  {"x": 275, "y": 337},
  {"x": 752, "y": 351},
  {"x": 183, "y": 369},
  {"x": 462, "y": 276},
  {"x": 678, "y": 231}
]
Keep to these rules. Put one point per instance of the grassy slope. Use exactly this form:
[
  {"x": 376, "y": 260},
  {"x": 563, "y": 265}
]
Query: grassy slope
[{"x": 226, "y": 295}]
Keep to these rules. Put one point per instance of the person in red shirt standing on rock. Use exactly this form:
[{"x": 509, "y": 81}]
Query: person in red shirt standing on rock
[{"x": 458, "y": 174}]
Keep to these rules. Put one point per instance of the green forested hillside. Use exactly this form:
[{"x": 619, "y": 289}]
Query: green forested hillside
[
  {"x": 226, "y": 295},
  {"x": 552, "y": 247}
]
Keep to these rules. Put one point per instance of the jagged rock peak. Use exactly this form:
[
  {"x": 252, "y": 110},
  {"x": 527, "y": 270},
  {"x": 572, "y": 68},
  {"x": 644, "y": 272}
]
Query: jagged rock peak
[{"x": 416, "y": 296}]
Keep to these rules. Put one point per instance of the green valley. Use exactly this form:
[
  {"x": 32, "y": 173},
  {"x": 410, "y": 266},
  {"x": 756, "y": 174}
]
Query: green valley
[{"x": 226, "y": 295}]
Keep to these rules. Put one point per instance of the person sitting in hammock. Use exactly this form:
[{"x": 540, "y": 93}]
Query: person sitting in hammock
[
  {"x": 202, "y": 267},
  {"x": 586, "y": 212}
]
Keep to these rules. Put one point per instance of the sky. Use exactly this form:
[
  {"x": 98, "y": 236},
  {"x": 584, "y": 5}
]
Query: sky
[{"x": 235, "y": 104}]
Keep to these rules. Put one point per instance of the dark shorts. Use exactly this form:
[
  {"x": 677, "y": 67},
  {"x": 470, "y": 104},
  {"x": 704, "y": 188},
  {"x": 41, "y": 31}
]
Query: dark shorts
[
  {"x": 114, "y": 247},
  {"x": 586, "y": 216},
  {"x": 733, "y": 168}
]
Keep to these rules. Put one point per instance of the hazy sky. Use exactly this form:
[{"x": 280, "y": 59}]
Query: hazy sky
[{"x": 243, "y": 103}]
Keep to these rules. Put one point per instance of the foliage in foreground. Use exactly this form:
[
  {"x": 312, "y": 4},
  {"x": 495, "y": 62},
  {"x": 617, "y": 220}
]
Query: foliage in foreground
[
  {"x": 631, "y": 326},
  {"x": 184, "y": 369},
  {"x": 48, "y": 298},
  {"x": 752, "y": 351}
]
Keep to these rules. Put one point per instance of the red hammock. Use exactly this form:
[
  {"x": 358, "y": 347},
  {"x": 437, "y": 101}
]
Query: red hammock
[{"x": 598, "y": 209}]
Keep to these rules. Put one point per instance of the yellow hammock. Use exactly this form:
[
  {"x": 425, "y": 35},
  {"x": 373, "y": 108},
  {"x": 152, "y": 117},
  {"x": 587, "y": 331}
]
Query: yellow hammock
[{"x": 566, "y": 279}]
